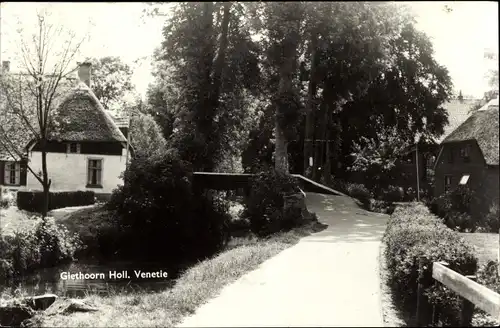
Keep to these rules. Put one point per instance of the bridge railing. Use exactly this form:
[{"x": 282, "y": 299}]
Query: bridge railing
[{"x": 235, "y": 181}]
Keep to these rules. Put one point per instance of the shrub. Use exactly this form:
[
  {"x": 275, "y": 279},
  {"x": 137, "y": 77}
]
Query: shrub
[
  {"x": 99, "y": 232},
  {"x": 160, "y": 216},
  {"x": 454, "y": 208},
  {"x": 487, "y": 276},
  {"x": 7, "y": 198},
  {"x": 265, "y": 205},
  {"x": 380, "y": 206},
  {"x": 413, "y": 233},
  {"x": 32, "y": 201},
  {"x": 4, "y": 203},
  {"x": 359, "y": 192},
  {"x": 492, "y": 219},
  {"x": 44, "y": 245},
  {"x": 392, "y": 194}
]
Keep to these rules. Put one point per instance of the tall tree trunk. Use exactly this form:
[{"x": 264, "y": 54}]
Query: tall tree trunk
[
  {"x": 45, "y": 178},
  {"x": 324, "y": 143},
  {"x": 214, "y": 102},
  {"x": 221, "y": 54},
  {"x": 320, "y": 137},
  {"x": 281, "y": 152},
  {"x": 327, "y": 172},
  {"x": 311, "y": 93},
  {"x": 285, "y": 88},
  {"x": 205, "y": 163}
]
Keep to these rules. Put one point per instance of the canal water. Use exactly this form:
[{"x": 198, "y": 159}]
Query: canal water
[{"x": 93, "y": 278}]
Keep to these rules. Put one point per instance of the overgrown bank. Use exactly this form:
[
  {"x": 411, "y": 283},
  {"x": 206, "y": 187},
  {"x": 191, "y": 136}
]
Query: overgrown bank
[
  {"x": 195, "y": 287},
  {"x": 158, "y": 216}
]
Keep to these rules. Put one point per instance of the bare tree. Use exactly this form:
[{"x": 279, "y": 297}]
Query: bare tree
[{"x": 29, "y": 98}]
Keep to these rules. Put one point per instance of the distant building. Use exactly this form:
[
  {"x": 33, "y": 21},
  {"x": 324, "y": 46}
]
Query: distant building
[
  {"x": 470, "y": 156},
  {"x": 458, "y": 111},
  {"x": 88, "y": 153}
]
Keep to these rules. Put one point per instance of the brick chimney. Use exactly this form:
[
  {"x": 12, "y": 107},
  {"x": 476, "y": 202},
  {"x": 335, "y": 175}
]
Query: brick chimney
[
  {"x": 84, "y": 73},
  {"x": 5, "y": 66}
]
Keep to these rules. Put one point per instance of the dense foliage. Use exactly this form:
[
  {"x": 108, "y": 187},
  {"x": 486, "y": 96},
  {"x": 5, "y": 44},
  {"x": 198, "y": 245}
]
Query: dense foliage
[
  {"x": 146, "y": 136},
  {"x": 454, "y": 207},
  {"x": 274, "y": 82},
  {"x": 160, "y": 216},
  {"x": 45, "y": 245},
  {"x": 414, "y": 234},
  {"x": 111, "y": 81},
  {"x": 265, "y": 206}
]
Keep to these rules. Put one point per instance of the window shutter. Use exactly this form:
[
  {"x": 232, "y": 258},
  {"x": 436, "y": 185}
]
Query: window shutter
[
  {"x": 7, "y": 173},
  {"x": 18, "y": 173}
]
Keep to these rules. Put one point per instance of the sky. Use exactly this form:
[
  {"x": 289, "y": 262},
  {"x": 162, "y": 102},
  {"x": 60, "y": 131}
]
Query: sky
[{"x": 117, "y": 29}]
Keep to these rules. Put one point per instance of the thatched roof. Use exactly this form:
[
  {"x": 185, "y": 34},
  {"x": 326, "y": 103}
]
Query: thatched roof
[
  {"x": 81, "y": 117},
  {"x": 482, "y": 126},
  {"x": 458, "y": 111},
  {"x": 5, "y": 156}
]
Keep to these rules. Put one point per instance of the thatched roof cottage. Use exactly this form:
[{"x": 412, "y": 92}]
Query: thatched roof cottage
[
  {"x": 469, "y": 156},
  {"x": 86, "y": 149}
]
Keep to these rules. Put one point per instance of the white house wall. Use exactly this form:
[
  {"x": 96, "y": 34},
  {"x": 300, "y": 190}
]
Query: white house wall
[{"x": 68, "y": 172}]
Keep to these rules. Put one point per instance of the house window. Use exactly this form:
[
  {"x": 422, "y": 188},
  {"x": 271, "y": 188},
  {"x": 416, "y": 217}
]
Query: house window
[
  {"x": 464, "y": 179},
  {"x": 12, "y": 173},
  {"x": 450, "y": 155},
  {"x": 465, "y": 153},
  {"x": 94, "y": 175},
  {"x": 447, "y": 183},
  {"x": 73, "y": 148}
]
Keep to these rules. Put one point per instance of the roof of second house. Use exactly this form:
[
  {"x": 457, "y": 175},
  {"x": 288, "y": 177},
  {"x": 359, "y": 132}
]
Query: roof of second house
[
  {"x": 81, "y": 117},
  {"x": 458, "y": 111},
  {"x": 482, "y": 126}
]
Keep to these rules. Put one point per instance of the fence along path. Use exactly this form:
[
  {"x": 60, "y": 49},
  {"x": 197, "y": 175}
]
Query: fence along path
[{"x": 472, "y": 294}]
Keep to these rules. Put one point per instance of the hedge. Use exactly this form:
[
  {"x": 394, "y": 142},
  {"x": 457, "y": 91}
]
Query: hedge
[
  {"x": 32, "y": 201},
  {"x": 413, "y": 233}
]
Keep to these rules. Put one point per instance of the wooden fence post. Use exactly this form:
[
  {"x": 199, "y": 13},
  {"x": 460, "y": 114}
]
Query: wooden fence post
[
  {"x": 467, "y": 309},
  {"x": 424, "y": 310}
]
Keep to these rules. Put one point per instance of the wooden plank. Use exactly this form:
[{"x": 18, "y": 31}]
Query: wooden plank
[
  {"x": 229, "y": 181},
  {"x": 223, "y": 174},
  {"x": 482, "y": 297},
  {"x": 318, "y": 185}
]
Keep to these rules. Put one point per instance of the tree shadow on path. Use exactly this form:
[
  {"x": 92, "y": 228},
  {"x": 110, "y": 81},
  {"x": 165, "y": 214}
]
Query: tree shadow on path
[{"x": 346, "y": 221}]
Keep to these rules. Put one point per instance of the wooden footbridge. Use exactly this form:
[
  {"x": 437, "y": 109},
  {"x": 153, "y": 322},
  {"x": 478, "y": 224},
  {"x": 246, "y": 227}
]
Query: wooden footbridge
[{"x": 241, "y": 181}]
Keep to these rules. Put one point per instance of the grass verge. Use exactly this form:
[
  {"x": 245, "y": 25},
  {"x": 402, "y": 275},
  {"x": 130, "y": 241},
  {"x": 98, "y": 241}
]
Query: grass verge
[
  {"x": 195, "y": 287},
  {"x": 485, "y": 245},
  {"x": 391, "y": 315}
]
